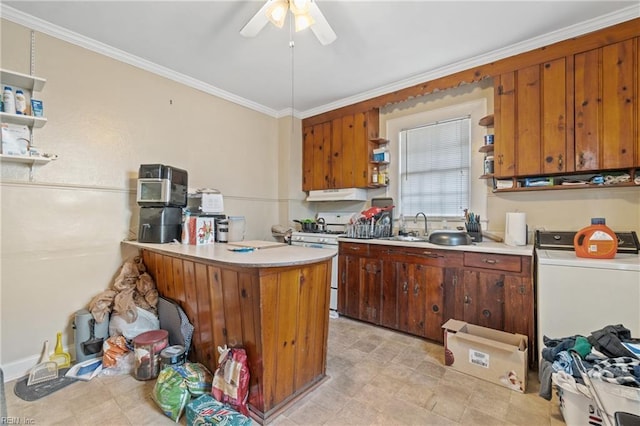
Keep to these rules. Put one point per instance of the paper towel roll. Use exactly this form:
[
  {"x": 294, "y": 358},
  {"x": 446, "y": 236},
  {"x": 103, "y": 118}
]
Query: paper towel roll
[{"x": 515, "y": 232}]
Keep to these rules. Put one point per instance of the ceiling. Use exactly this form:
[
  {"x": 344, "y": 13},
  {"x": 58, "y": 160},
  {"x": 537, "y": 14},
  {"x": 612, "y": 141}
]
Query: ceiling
[{"x": 381, "y": 46}]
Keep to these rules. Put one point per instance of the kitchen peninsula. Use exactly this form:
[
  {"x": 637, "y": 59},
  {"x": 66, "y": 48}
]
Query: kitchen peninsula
[{"x": 273, "y": 301}]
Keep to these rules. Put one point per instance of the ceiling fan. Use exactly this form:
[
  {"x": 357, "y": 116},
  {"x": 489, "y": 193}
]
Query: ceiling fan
[{"x": 305, "y": 12}]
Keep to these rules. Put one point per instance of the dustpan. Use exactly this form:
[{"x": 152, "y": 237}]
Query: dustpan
[
  {"x": 59, "y": 356},
  {"x": 93, "y": 345},
  {"x": 44, "y": 370}
]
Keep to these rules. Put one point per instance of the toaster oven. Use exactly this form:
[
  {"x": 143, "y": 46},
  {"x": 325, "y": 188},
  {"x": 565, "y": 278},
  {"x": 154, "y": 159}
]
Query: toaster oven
[{"x": 160, "y": 185}]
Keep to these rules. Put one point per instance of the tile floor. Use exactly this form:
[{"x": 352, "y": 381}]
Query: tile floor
[{"x": 376, "y": 377}]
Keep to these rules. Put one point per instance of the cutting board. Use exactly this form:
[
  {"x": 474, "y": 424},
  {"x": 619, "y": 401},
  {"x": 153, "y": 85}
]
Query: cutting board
[{"x": 257, "y": 244}]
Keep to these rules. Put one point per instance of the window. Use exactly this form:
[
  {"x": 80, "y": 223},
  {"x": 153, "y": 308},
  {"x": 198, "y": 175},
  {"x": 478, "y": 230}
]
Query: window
[{"x": 435, "y": 168}]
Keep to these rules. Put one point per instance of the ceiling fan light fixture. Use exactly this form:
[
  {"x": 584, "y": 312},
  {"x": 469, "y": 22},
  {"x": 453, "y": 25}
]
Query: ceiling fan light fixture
[
  {"x": 303, "y": 21},
  {"x": 299, "y": 6},
  {"x": 277, "y": 12}
]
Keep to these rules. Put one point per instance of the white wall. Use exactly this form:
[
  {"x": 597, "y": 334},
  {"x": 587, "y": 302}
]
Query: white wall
[{"x": 61, "y": 233}]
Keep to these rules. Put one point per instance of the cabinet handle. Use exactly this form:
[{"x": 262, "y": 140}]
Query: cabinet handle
[
  {"x": 416, "y": 289},
  {"x": 490, "y": 261},
  {"x": 432, "y": 255},
  {"x": 467, "y": 300},
  {"x": 581, "y": 160},
  {"x": 560, "y": 162},
  {"x": 486, "y": 313},
  {"x": 353, "y": 248},
  {"x": 522, "y": 290},
  {"x": 405, "y": 287},
  {"x": 435, "y": 308},
  {"x": 500, "y": 283}
]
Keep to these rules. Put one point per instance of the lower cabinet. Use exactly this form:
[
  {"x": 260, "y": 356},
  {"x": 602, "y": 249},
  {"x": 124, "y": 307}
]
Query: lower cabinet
[{"x": 417, "y": 290}]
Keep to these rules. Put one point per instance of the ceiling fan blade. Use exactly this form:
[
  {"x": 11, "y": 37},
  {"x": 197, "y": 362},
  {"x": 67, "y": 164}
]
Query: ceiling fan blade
[
  {"x": 321, "y": 27},
  {"x": 257, "y": 23}
]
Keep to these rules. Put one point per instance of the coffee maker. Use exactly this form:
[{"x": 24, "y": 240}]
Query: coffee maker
[{"x": 161, "y": 195}]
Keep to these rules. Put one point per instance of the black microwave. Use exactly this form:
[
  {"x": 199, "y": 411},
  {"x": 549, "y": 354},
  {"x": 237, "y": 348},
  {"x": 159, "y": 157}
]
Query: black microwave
[{"x": 160, "y": 185}]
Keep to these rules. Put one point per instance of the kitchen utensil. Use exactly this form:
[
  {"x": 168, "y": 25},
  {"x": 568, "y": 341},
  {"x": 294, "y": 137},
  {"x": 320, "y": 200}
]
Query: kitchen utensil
[
  {"x": 450, "y": 238},
  {"x": 321, "y": 224},
  {"x": 93, "y": 345},
  {"x": 44, "y": 370},
  {"x": 308, "y": 225},
  {"x": 59, "y": 356}
]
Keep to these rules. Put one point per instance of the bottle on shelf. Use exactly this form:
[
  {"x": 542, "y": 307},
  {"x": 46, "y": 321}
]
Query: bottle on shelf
[
  {"x": 20, "y": 102},
  {"x": 374, "y": 176},
  {"x": 8, "y": 101}
]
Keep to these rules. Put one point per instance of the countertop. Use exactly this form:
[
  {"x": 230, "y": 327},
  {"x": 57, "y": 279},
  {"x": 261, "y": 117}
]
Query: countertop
[
  {"x": 219, "y": 252},
  {"x": 483, "y": 247}
]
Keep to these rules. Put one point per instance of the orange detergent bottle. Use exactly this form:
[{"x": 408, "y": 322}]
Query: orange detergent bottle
[{"x": 597, "y": 241}]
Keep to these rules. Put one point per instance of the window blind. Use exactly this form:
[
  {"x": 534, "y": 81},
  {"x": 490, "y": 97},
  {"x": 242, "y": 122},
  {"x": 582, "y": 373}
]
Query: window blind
[{"x": 434, "y": 171}]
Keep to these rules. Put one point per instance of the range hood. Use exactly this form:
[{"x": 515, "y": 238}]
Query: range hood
[{"x": 344, "y": 194}]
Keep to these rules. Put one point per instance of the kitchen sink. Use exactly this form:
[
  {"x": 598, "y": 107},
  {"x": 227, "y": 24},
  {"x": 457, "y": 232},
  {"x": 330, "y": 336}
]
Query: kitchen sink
[{"x": 411, "y": 238}]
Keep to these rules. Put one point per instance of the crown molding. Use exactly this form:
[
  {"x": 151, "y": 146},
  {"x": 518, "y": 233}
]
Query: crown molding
[
  {"x": 585, "y": 27},
  {"x": 48, "y": 28}
]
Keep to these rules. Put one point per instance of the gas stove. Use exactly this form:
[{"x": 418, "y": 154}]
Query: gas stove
[{"x": 335, "y": 225}]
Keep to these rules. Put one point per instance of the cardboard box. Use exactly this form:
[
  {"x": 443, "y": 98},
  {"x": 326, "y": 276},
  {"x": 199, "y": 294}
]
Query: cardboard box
[{"x": 488, "y": 354}]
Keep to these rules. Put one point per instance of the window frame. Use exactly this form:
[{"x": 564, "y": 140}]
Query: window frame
[{"x": 478, "y": 193}]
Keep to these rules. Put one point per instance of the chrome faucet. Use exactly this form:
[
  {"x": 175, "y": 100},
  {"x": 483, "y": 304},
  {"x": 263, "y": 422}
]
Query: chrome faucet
[{"x": 415, "y": 220}]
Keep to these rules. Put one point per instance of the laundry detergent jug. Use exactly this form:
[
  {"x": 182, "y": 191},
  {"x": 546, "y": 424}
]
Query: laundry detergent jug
[{"x": 597, "y": 241}]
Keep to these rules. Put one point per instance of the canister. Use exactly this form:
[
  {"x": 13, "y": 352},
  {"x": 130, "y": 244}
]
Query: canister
[
  {"x": 222, "y": 231},
  {"x": 488, "y": 139},
  {"x": 147, "y": 347},
  {"x": 488, "y": 165},
  {"x": 173, "y": 355}
]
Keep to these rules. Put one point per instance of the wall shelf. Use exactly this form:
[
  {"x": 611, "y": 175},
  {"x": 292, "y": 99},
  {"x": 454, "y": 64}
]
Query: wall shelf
[
  {"x": 27, "y": 120},
  {"x": 24, "y": 81}
]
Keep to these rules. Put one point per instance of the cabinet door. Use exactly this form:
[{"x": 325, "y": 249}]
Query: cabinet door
[
  {"x": 370, "y": 290},
  {"x": 504, "y": 125},
  {"x": 343, "y": 152},
  {"x": 556, "y": 114},
  {"x": 349, "y": 288},
  {"x": 528, "y": 106},
  {"x": 618, "y": 102},
  {"x": 433, "y": 299},
  {"x": 483, "y": 299},
  {"x": 361, "y": 150},
  {"x": 316, "y": 157},
  {"x": 390, "y": 290},
  {"x": 606, "y": 132}
]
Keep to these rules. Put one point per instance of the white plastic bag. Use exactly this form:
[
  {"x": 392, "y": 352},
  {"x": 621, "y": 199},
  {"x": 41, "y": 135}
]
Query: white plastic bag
[{"x": 146, "y": 321}]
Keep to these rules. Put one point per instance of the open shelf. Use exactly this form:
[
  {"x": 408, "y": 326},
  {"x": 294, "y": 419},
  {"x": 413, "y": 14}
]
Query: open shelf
[
  {"x": 24, "y": 81},
  {"x": 27, "y": 120},
  {"x": 23, "y": 159},
  {"x": 486, "y": 148}
]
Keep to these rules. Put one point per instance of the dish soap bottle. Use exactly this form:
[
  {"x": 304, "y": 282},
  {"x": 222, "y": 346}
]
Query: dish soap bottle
[{"x": 597, "y": 241}]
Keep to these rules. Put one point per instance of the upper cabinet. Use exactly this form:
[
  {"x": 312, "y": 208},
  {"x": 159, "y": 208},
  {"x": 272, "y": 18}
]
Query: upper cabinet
[
  {"x": 578, "y": 113},
  {"x": 337, "y": 153},
  {"x": 606, "y": 100},
  {"x": 531, "y": 115}
]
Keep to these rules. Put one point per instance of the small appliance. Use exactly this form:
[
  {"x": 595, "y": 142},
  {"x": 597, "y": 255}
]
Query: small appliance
[
  {"x": 162, "y": 193},
  {"x": 160, "y": 185}
]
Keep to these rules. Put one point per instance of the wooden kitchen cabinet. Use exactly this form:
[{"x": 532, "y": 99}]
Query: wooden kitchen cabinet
[
  {"x": 606, "y": 103},
  {"x": 531, "y": 120},
  {"x": 416, "y": 290},
  {"x": 497, "y": 292},
  {"x": 337, "y": 153},
  {"x": 399, "y": 288},
  {"x": 277, "y": 314}
]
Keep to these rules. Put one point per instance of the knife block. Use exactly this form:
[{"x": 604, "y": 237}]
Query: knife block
[{"x": 475, "y": 231}]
